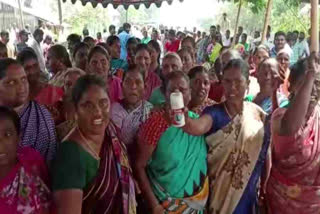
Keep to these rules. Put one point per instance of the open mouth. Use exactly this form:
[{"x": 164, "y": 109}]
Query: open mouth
[{"x": 97, "y": 122}]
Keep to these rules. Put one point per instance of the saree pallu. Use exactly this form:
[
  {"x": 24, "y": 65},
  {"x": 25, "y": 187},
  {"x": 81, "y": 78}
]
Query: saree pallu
[
  {"x": 24, "y": 189},
  {"x": 38, "y": 130},
  {"x": 112, "y": 191},
  {"x": 234, "y": 152},
  {"x": 177, "y": 170},
  {"x": 294, "y": 183}
]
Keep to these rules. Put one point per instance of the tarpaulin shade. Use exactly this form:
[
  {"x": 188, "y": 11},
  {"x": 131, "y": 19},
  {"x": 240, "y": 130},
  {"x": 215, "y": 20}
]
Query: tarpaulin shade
[{"x": 125, "y": 3}]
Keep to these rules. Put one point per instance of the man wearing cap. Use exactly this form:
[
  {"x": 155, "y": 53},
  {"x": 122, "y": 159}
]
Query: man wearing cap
[
  {"x": 4, "y": 38},
  {"x": 24, "y": 37}
]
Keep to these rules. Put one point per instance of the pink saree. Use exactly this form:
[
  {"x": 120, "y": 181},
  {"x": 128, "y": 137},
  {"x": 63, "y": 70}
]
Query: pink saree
[
  {"x": 23, "y": 190},
  {"x": 294, "y": 183}
]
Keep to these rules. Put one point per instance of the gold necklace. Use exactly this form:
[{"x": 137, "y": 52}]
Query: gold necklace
[{"x": 91, "y": 150}]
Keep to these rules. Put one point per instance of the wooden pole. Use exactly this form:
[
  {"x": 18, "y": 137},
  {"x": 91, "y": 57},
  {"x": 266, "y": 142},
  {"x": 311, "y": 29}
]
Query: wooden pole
[
  {"x": 60, "y": 12},
  {"x": 237, "y": 23},
  {"x": 314, "y": 26},
  {"x": 21, "y": 15},
  {"x": 266, "y": 21}
]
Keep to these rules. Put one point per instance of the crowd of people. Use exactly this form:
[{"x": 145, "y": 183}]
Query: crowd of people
[{"x": 87, "y": 128}]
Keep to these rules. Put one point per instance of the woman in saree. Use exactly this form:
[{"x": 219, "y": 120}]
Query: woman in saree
[
  {"x": 23, "y": 173},
  {"x": 155, "y": 54},
  {"x": 91, "y": 173},
  {"x": 260, "y": 54},
  {"x": 58, "y": 61},
  {"x": 238, "y": 143},
  {"x": 171, "y": 62},
  {"x": 200, "y": 87},
  {"x": 171, "y": 166},
  {"x": 99, "y": 64},
  {"x": 283, "y": 58},
  {"x": 132, "y": 110},
  {"x": 187, "y": 58},
  {"x": 143, "y": 61},
  {"x": 294, "y": 183},
  {"x": 80, "y": 56}
]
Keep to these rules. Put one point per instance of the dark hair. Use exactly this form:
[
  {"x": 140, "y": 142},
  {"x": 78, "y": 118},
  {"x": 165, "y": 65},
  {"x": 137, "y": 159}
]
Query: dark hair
[
  {"x": 78, "y": 47},
  {"x": 280, "y": 33},
  {"x": 112, "y": 39},
  {"x": 188, "y": 51},
  {"x": 104, "y": 45},
  {"x": 88, "y": 39},
  {"x": 85, "y": 32},
  {"x": 7, "y": 113},
  {"x": 133, "y": 68},
  {"x": 75, "y": 38},
  {"x": 295, "y": 31},
  {"x": 245, "y": 35},
  {"x": 3, "y": 46},
  {"x": 172, "y": 32},
  {"x": 175, "y": 75},
  {"x": 132, "y": 40},
  {"x": 213, "y": 26},
  {"x": 155, "y": 45},
  {"x": 26, "y": 54},
  {"x": 111, "y": 26},
  {"x": 240, "y": 64},
  {"x": 38, "y": 31},
  {"x": 4, "y": 33},
  {"x": 297, "y": 71},
  {"x": 197, "y": 70},
  {"x": 5, "y": 64},
  {"x": 126, "y": 25},
  {"x": 61, "y": 53},
  {"x": 98, "y": 49},
  {"x": 83, "y": 84},
  {"x": 189, "y": 38},
  {"x": 141, "y": 47}
]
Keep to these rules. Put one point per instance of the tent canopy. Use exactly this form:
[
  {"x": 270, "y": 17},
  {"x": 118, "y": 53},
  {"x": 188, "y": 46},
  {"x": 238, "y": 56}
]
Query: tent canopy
[{"x": 125, "y": 3}]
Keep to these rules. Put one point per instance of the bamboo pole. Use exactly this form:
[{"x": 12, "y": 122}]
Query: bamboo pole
[
  {"x": 237, "y": 23},
  {"x": 314, "y": 26},
  {"x": 60, "y": 12},
  {"x": 21, "y": 15},
  {"x": 266, "y": 21}
]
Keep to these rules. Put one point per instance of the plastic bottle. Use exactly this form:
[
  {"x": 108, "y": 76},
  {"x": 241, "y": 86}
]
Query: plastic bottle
[{"x": 177, "y": 106}]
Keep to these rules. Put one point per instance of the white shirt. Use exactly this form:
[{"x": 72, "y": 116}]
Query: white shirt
[{"x": 39, "y": 52}]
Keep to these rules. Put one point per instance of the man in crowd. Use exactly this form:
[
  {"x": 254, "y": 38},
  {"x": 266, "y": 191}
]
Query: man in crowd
[
  {"x": 124, "y": 36},
  {"x": 226, "y": 40},
  {"x": 280, "y": 43},
  {"x": 146, "y": 39},
  {"x": 225, "y": 23},
  {"x": 24, "y": 37},
  {"x": 35, "y": 44},
  {"x": 4, "y": 38},
  {"x": 299, "y": 47},
  {"x": 73, "y": 40}
]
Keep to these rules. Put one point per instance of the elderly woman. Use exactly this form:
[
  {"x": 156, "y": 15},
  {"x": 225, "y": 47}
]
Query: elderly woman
[
  {"x": 117, "y": 66},
  {"x": 293, "y": 186},
  {"x": 23, "y": 172},
  {"x": 143, "y": 61},
  {"x": 80, "y": 56},
  {"x": 171, "y": 62},
  {"x": 36, "y": 123},
  {"x": 238, "y": 143},
  {"x": 283, "y": 57},
  {"x": 99, "y": 64},
  {"x": 58, "y": 61},
  {"x": 171, "y": 165},
  {"x": 260, "y": 54},
  {"x": 133, "y": 110},
  {"x": 91, "y": 173},
  {"x": 187, "y": 58},
  {"x": 200, "y": 87}
]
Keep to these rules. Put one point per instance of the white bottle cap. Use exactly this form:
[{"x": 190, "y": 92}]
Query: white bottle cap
[{"x": 176, "y": 100}]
